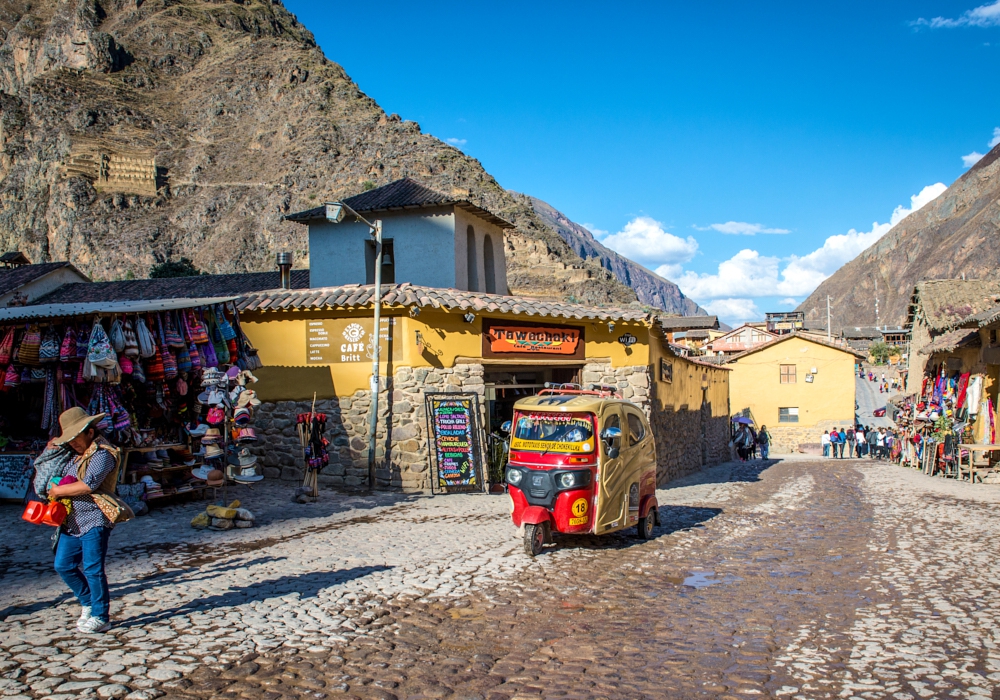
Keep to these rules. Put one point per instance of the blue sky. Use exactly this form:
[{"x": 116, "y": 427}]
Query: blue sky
[{"x": 681, "y": 133}]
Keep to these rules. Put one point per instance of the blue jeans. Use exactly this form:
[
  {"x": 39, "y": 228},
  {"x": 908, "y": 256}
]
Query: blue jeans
[{"x": 87, "y": 552}]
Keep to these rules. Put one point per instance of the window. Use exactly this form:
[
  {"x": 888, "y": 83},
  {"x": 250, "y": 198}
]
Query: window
[
  {"x": 488, "y": 268},
  {"x": 636, "y": 430},
  {"x": 787, "y": 374},
  {"x": 388, "y": 262},
  {"x": 470, "y": 259},
  {"x": 788, "y": 415}
]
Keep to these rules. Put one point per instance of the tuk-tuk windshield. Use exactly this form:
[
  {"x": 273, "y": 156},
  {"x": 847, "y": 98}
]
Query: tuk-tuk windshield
[{"x": 553, "y": 432}]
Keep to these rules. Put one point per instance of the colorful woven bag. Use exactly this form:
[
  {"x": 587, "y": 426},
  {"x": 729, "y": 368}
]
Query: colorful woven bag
[
  {"x": 195, "y": 357},
  {"x": 226, "y": 328},
  {"x": 171, "y": 337},
  {"x": 12, "y": 378},
  {"x": 31, "y": 343},
  {"x": 196, "y": 328},
  {"x": 7, "y": 347},
  {"x": 184, "y": 360},
  {"x": 154, "y": 368},
  {"x": 67, "y": 351},
  {"x": 131, "y": 341},
  {"x": 82, "y": 341},
  {"x": 48, "y": 351}
]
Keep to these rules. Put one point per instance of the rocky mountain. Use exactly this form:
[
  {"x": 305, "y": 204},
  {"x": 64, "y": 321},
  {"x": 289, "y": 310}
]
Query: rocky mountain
[
  {"x": 957, "y": 234},
  {"x": 137, "y": 131},
  {"x": 650, "y": 288}
]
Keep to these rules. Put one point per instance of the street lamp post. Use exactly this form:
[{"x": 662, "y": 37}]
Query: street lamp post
[{"x": 336, "y": 212}]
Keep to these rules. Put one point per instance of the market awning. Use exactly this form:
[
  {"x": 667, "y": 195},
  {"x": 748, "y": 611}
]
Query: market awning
[{"x": 17, "y": 313}]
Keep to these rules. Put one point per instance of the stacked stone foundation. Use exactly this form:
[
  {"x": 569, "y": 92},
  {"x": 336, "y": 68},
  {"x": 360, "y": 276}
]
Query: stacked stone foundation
[{"x": 687, "y": 439}]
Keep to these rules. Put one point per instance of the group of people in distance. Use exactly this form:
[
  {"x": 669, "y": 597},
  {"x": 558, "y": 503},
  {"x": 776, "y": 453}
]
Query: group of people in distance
[{"x": 858, "y": 441}]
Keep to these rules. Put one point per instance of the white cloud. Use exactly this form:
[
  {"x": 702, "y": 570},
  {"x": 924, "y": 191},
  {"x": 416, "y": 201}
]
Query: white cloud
[
  {"x": 788, "y": 301},
  {"x": 741, "y": 228},
  {"x": 457, "y": 142},
  {"x": 644, "y": 240},
  {"x": 982, "y": 16},
  {"x": 733, "y": 311},
  {"x": 971, "y": 159},
  {"x": 598, "y": 232},
  {"x": 748, "y": 274}
]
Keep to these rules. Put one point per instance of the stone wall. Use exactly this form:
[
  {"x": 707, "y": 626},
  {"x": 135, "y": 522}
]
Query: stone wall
[
  {"x": 786, "y": 437},
  {"x": 401, "y": 405},
  {"x": 687, "y": 438}
]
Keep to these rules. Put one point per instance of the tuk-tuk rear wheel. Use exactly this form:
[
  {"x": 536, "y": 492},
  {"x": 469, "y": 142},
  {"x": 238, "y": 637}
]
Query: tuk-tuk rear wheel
[{"x": 535, "y": 537}]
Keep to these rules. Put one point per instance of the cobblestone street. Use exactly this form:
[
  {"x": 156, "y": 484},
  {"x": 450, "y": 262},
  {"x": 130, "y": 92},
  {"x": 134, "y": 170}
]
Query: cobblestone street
[{"x": 797, "y": 578}]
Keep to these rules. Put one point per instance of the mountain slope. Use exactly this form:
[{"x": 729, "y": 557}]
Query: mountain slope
[
  {"x": 957, "y": 234},
  {"x": 246, "y": 120},
  {"x": 651, "y": 289}
]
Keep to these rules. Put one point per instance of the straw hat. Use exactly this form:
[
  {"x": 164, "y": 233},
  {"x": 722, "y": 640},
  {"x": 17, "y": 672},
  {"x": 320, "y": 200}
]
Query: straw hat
[{"x": 74, "y": 421}]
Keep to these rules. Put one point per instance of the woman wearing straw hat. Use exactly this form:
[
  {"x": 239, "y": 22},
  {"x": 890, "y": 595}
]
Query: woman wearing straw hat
[{"x": 83, "y": 541}]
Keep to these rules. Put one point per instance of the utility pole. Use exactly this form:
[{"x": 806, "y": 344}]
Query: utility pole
[
  {"x": 828, "y": 333},
  {"x": 877, "y": 321}
]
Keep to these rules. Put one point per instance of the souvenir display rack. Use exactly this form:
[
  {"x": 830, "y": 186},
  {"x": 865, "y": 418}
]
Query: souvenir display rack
[{"x": 136, "y": 367}]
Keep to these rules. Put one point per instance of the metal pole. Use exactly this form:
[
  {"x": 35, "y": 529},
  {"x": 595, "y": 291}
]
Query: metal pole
[
  {"x": 828, "y": 317},
  {"x": 377, "y": 303}
]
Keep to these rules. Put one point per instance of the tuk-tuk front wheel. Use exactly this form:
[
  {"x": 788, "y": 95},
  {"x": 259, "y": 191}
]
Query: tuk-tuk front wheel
[
  {"x": 645, "y": 526},
  {"x": 535, "y": 537}
]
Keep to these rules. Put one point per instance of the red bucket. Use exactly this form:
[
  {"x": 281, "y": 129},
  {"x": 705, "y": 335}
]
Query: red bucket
[{"x": 39, "y": 513}]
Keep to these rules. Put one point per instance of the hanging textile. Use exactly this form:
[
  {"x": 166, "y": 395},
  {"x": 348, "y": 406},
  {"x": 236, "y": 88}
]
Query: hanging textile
[
  {"x": 974, "y": 393},
  {"x": 963, "y": 386}
]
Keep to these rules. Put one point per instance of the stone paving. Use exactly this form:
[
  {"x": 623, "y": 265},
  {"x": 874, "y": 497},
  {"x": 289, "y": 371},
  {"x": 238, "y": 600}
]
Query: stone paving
[{"x": 792, "y": 578}]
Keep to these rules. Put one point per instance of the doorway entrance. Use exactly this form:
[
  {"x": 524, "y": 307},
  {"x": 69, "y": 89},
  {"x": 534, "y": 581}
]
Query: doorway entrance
[{"x": 505, "y": 385}]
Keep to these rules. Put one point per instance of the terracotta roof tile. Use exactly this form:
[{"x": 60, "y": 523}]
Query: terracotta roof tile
[{"x": 410, "y": 295}]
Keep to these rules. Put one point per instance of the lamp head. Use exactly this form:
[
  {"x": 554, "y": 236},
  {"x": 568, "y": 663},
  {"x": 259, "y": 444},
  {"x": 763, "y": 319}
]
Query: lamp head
[
  {"x": 469, "y": 317},
  {"x": 335, "y": 212}
]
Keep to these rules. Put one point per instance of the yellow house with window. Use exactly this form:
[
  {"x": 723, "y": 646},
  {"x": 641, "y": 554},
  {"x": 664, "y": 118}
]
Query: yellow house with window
[{"x": 797, "y": 385}]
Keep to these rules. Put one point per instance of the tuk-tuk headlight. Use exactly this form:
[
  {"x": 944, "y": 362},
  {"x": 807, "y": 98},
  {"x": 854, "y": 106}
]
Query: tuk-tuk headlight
[
  {"x": 514, "y": 477},
  {"x": 569, "y": 480}
]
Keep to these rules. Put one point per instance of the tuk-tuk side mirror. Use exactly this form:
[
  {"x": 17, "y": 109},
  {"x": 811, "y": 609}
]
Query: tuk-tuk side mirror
[
  {"x": 505, "y": 427},
  {"x": 610, "y": 436}
]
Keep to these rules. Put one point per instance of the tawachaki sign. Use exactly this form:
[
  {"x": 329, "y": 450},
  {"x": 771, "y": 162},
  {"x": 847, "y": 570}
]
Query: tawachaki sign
[{"x": 545, "y": 341}]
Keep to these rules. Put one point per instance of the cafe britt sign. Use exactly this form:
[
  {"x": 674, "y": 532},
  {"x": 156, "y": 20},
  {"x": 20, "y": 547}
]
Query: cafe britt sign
[{"x": 349, "y": 340}]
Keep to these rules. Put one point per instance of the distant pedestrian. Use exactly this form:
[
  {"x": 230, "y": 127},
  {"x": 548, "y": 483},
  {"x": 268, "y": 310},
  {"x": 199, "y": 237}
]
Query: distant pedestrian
[
  {"x": 764, "y": 441},
  {"x": 825, "y": 442},
  {"x": 841, "y": 444},
  {"x": 872, "y": 436},
  {"x": 834, "y": 442},
  {"x": 852, "y": 442},
  {"x": 880, "y": 443}
]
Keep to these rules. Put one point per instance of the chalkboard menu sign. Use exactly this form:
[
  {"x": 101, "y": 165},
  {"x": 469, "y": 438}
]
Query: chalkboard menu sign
[
  {"x": 455, "y": 429},
  {"x": 15, "y": 471}
]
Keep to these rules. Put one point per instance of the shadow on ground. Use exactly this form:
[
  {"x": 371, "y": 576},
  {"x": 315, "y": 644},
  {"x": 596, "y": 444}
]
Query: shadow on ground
[
  {"x": 306, "y": 585},
  {"x": 672, "y": 519}
]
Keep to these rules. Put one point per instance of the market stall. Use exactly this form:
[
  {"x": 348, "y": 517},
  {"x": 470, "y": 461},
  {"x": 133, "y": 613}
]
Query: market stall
[
  {"x": 949, "y": 427},
  {"x": 173, "y": 378}
]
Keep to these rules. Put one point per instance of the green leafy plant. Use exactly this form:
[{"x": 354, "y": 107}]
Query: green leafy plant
[
  {"x": 942, "y": 427},
  {"x": 367, "y": 185},
  {"x": 174, "y": 268}
]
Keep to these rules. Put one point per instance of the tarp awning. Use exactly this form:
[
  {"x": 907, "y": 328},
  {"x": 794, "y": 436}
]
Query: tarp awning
[{"x": 18, "y": 313}]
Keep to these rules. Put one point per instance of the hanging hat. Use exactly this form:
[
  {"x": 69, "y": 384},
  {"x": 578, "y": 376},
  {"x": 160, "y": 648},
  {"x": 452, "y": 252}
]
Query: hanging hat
[
  {"x": 215, "y": 478},
  {"x": 248, "y": 397},
  {"x": 202, "y": 472},
  {"x": 211, "y": 436},
  {"x": 74, "y": 421},
  {"x": 213, "y": 452},
  {"x": 247, "y": 474},
  {"x": 242, "y": 458},
  {"x": 241, "y": 416},
  {"x": 245, "y": 435},
  {"x": 200, "y": 431}
]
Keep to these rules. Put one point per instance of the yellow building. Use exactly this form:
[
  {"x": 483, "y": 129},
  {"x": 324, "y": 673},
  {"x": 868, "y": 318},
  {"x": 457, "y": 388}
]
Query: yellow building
[
  {"x": 494, "y": 349},
  {"x": 797, "y": 385}
]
